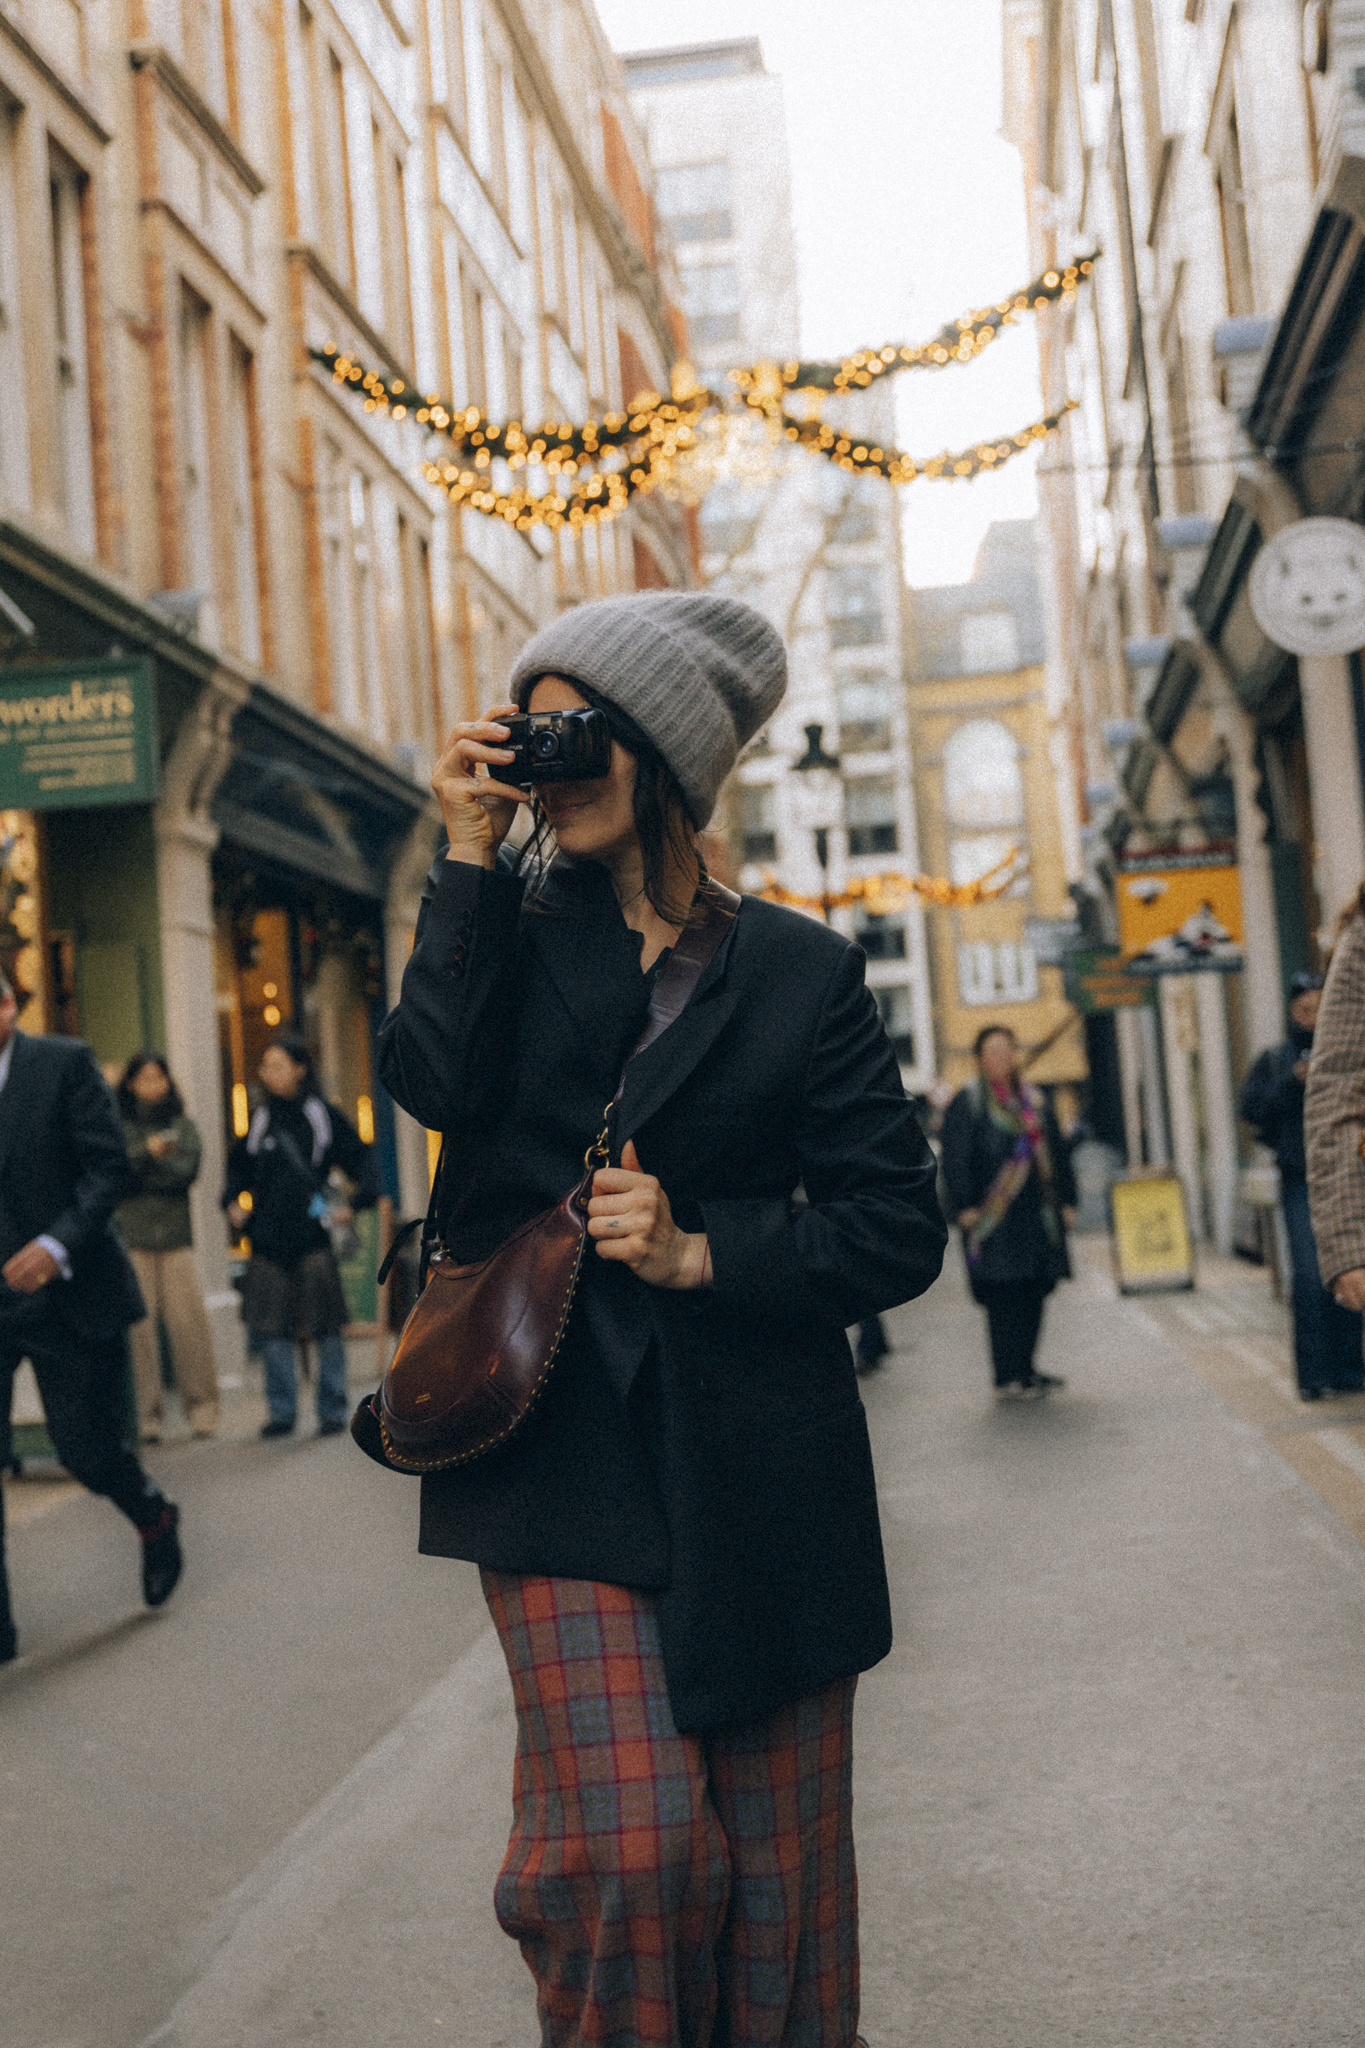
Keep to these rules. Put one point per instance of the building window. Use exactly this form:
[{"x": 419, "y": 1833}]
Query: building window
[
  {"x": 1006, "y": 973},
  {"x": 982, "y": 782},
  {"x": 857, "y": 518},
  {"x": 758, "y": 820},
  {"x": 870, "y": 815},
  {"x": 853, "y": 606},
  {"x": 866, "y": 701},
  {"x": 75, "y": 485},
  {"x": 1232, "y": 213},
  {"x": 364, "y": 600},
  {"x": 335, "y": 536},
  {"x": 14, "y": 470},
  {"x": 710, "y": 294},
  {"x": 196, "y": 504},
  {"x": 694, "y": 199},
  {"x": 882, "y": 938},
  {"x": 334, "y": 196},
  {"x": 245, "y": 561},
  {"x": 898, "y": 1021},
  {"x": 988, "y": 643}
]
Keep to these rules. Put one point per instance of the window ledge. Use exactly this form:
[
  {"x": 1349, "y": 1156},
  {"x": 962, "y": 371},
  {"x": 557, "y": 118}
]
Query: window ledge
[{"x": 153, "y": 57}]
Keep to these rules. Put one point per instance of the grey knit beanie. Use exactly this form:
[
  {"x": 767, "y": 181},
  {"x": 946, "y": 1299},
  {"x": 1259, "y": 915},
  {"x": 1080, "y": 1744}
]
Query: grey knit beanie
[{"x": 698, "y": 673}]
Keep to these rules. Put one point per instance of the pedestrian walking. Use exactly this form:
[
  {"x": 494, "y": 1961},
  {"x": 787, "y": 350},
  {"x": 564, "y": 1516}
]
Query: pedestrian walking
[
  {"x": 1327, "y": 1336},
  {"x": 1009, "y": 1180},
  {"x": 153, "y": 1219},
  {"x": 67, "y": 1291},
  {"x": 280, "y": 1194},
  {"x": 1334, "y": 1116},
  {"x": 680, "y": 1550}
]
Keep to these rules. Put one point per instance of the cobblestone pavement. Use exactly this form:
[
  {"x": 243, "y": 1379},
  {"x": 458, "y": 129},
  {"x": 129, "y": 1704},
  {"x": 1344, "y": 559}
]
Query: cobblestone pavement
[{"x": 1110, "y": 1780}]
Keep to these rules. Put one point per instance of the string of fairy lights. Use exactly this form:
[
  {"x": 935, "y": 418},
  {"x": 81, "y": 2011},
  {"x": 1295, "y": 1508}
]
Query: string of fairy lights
[
  {"x": 880, "y": 894},
  {"x": 567, "y": 474}
]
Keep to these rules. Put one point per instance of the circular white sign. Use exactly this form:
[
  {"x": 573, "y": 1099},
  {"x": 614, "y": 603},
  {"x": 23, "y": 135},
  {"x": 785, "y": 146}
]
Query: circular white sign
[{"x": 1307, "y": 587}]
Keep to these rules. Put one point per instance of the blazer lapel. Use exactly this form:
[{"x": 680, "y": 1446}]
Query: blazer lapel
[{"x": 660, "y": 1071}]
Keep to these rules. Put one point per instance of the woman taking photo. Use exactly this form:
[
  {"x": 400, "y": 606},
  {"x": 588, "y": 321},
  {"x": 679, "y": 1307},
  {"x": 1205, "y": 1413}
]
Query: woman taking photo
[
  {"x": 680, "y": 1549},
  {"x": 279, "y": 1195},
  {"x": 1011, "y": 1186},
  {"x": 154, "y": 1222}
]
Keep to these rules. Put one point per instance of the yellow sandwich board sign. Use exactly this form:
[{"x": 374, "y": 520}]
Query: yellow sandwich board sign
[{"x": 1152, "y": 1248}]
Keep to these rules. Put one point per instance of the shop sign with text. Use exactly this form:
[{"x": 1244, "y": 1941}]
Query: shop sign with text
[
  {"x": 73, "y": 734},
  {"x": 1180, "y": 912}
]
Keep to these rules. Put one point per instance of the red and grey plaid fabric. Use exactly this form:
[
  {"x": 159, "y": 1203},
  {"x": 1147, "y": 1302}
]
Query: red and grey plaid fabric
[{"x": 670, "y": 1891}]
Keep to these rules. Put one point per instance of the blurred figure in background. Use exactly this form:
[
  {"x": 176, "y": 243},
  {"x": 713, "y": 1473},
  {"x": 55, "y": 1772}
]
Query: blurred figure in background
[
  {"x": 67, "y": 1290},
  {"x": 1334, "y": 1118},
  {"x": 154, "y": 1222},
  {"x": 293, "y": 1288},
  {"x": 1009, "y": 1180},
  {"x": 1327, "y": 1336}
]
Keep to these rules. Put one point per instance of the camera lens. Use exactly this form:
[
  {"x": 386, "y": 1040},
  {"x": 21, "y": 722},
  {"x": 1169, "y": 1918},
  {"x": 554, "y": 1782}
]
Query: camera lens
[{"x": 545, "y": 745}]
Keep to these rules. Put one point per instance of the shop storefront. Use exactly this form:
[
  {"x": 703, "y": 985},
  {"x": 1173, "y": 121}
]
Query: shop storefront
[{"x": 189, "y": 861}]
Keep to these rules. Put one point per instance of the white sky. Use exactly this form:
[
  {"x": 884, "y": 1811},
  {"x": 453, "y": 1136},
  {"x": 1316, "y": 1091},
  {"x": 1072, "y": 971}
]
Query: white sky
[{"x": 909, "y": 210}]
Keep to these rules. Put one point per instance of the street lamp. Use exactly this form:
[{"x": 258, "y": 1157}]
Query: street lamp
[{"x": 818, "y": 801}]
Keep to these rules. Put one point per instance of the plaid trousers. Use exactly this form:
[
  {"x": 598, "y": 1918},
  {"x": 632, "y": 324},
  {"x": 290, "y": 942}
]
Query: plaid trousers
[{"x": 670, "y": 1891}]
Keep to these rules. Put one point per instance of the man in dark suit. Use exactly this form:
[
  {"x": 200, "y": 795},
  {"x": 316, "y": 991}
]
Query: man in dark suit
[{"x": 67, "y": 1290}]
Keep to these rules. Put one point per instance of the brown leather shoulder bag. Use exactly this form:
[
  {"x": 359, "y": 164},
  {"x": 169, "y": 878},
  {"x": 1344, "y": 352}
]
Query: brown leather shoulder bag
[{"x": 475, "y": 1353}]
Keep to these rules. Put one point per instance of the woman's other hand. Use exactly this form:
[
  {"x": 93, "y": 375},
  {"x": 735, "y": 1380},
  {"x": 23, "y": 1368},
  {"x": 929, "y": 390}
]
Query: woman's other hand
[
  {"x": 629, "y": 1219},
  {"x": 477, "y": 808},
  {"x": 1348, "y": 1289},
  {"x": 967, "y": 1217}
]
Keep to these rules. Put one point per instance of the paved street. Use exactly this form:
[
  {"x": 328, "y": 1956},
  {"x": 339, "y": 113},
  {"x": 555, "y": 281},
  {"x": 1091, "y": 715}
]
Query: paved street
[{"x": 1110, "y": 1781}]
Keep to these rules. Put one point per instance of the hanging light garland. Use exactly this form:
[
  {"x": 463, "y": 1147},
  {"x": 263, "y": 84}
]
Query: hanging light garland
[
  {"x": 961, "y": 341},
  {"x": 586, "y": 474},
  {"x": 882, "y": 893}
]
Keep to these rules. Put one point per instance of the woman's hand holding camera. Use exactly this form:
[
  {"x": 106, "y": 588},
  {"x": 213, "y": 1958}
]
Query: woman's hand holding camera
[
  {"x": 477, "y": 808},
  {"x": 629, "y": 1219}
]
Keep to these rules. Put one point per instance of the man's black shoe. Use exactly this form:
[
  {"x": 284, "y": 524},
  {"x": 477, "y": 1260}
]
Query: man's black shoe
[
  {"x": 162, "y": 1559},
  {"x": 269, "y": 1429},
  {"x": 1046, "y": 1379},
  {"x": 330, "y": 1428},
  {"x": 9, "y": 1643}
]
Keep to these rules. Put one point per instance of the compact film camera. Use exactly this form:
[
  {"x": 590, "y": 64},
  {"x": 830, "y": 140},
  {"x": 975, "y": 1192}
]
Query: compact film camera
[{"x": 556, "y": 746}]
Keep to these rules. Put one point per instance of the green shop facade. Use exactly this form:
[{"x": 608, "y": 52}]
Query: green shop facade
[{"x": 190, "y": 861}]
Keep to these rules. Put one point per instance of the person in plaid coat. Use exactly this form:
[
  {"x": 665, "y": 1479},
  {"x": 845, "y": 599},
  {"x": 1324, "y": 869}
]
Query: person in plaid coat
[
  {"x": 1334, "y": 1117},
  {"x": 681, "y": 1549}
]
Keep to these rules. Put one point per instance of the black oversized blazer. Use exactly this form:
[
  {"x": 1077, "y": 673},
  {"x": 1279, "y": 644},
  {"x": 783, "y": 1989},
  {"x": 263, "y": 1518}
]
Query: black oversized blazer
[
  {"x": 63, "y": 1168},
  {"x": 773, "y": 1114}
]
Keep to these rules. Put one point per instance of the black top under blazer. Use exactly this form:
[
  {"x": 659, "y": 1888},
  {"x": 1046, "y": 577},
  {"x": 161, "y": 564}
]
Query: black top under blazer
[
  {"x": 708, "y": 1445},
  {"x": 63, "y": 1168}
]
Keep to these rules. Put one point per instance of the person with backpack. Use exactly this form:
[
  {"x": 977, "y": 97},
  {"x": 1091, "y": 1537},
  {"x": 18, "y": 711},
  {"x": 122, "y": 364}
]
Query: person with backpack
[{"x": 279, "y": 1195}]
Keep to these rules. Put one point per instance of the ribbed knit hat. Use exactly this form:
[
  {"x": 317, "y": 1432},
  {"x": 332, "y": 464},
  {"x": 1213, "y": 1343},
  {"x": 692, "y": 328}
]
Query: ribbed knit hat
[{"x": 698, "y": 673}]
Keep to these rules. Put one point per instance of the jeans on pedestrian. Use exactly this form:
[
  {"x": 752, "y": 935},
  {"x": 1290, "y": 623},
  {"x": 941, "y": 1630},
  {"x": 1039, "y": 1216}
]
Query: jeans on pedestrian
[
  {"x": 280, "y": 1385},
  {"x": 1327, "y": 1338}
]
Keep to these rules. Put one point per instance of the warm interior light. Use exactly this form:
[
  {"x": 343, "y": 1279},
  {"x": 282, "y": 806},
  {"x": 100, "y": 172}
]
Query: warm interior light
[
  {"x": 241, "y": 1110},
  {"x": 433, "y": 1153},
  {"x": 245, "y": 1201},
  {"x": 270, "y": 991},
  {"x": 364, "y": 1118},
  {"x": 271, "y": 1015}
]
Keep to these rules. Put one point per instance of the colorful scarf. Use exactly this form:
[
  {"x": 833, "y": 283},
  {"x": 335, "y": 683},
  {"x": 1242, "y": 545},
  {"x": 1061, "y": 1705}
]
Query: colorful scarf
[{"x": 1021, "y": 1117}]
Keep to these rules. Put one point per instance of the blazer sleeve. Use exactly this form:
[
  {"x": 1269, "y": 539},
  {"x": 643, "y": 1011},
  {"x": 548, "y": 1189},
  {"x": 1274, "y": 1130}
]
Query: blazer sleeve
[
  {"x": 1334, "y": 1111},
  {"x": 94, "y": 1135},
  {"x": 443, "y": 1050},
  {"x": 870, "y": 1234}
]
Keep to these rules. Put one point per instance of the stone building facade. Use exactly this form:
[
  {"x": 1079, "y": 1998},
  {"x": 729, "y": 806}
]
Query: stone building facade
[{"x": 1215, "y": 152}]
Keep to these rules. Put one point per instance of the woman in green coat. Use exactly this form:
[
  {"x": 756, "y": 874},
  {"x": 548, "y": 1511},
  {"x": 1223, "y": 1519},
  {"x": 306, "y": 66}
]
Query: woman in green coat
[{"x": 154, "y": 1222}]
